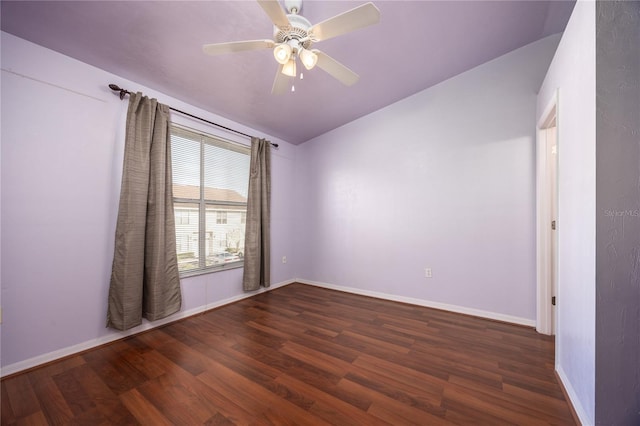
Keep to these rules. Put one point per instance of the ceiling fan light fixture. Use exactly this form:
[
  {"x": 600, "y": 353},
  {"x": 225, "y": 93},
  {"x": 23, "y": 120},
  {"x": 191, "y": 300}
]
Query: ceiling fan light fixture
[
  {"x": 290, "y": 67},
  {"x": 282, "y": 53},
  {"x": 293, "y": 36},
  {"x": 308, "y": 58}
]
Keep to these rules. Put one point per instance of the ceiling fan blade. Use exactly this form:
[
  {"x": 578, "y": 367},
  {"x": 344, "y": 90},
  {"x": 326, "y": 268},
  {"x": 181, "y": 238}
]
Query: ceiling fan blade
[
  {"x": 275, "y": 12},
  {"x": 360, "y": 17},
  {"x": 236, "y": 46},
  {"x": 281, "y": 82},
  {"x": 335, "y": 69}
]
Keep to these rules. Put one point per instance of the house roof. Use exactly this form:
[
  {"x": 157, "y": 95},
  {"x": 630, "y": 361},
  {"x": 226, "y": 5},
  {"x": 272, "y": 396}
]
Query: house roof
[{"x": 212, "y": 194}]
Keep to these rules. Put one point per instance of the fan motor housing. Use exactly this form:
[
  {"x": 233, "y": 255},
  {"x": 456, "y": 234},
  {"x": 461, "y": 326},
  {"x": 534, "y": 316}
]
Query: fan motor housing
[{"x": 298, "y": 30}]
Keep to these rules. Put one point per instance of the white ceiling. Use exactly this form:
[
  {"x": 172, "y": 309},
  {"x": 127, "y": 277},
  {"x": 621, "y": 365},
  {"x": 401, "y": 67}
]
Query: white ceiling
[{"x": 416, "y": 45}]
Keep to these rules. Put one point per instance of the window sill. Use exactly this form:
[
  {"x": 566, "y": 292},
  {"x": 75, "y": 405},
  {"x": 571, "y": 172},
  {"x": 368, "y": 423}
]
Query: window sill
[{"x": 217, "y": 268}]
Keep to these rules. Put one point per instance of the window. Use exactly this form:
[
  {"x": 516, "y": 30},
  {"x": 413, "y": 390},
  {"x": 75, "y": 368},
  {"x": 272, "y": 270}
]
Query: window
[
  {"x": 210, "y": 183},
  {"x": 221, "y": 218},
  {"x": 183, "y": 216}
]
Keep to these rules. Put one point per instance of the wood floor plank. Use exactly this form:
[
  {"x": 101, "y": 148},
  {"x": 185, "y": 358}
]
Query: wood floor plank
[
  {"x": 391, "y": 409},
  {"x": 426, "y": 383},
  {"x": 174, "y": 399},
  {"x": 117, "y": 373},
  {"x": 544, "y": 403},
  {"x": 252, "y": 368},
  {"x": 105, "y": 400},
  {"x": 527, "y": 402},
  {"x": 269, "y": 330},
  {"x": 36, "y": 419},
  {"x": 138, "y": 361},
  {"x": 219, "y": 420},
  {"x": 463, "y": 414},
  {"x": 246, "y": 393},
  {"x": 22, "y": 398},
  {"x": 490, "y": 405},
  {"x": 373, "y": 330},
  {"x": 465, "y": 358},
  {"x": 73, "y": 393},
  {"x": 325, "y": 362},
  {"x": 217, "y": 402},
  {"x": 53, "y": 403},
  {"x": 302, "y": 355},
  {"x": 424, "y": 399},
  {"x": 326, "y": 344},
  {"x": 378, "y": 343},
  {"x": 478, "y": 374},
  {"x": 526, "y": 380},
  {"x": 324, "y": 321},
  {"x": 287, "y": 364},
  {"x": 145, "y": 412},
  {"x": 7, "y": 416},
  {"x": 331, "y": 409},
  {"x": 274, "y": 309}
]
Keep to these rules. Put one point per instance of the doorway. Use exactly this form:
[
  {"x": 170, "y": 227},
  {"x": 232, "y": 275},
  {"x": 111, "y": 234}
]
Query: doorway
[{"x": 547, "y": 218}]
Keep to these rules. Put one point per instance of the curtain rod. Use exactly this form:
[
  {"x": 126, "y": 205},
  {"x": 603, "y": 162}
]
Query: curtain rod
[{"x": 123, "y": 92}]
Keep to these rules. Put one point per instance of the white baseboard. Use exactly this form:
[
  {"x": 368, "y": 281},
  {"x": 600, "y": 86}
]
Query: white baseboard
[
  {"x": 575, "y": 401},
  {"x": 426, "y": 303},
  {"x": 117, "y": 335}
]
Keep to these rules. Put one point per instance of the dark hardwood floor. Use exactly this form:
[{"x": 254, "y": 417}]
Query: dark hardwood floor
[{"x": 302, "y": 355}]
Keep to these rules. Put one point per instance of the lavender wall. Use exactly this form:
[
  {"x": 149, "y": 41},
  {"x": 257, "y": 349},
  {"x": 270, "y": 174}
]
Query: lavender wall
[
  {"x": 617, "y": 354},
  {"x": 442, "y": 179},
  {"x": 572, "y": 73},
  {"x": 62, "y": 147}
]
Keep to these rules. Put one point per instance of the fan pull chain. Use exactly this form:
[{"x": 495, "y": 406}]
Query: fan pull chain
[{"x": 293, "y": 87}]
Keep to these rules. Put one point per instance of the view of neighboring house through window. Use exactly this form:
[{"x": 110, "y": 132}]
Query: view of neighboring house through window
[{"x": 210, "y": 183}]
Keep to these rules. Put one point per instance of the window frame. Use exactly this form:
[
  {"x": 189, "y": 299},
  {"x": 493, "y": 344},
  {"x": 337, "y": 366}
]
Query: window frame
[{"x": 204, "y": 205}]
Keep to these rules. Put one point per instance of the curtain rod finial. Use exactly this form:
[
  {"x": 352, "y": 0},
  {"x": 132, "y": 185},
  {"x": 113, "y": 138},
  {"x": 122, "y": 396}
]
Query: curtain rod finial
[{"x": 117, "y": 88}]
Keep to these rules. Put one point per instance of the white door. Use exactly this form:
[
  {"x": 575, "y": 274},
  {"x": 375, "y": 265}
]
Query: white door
[
  {"x": 552, "y": 164},
  {"x": 548, "y": 227}
]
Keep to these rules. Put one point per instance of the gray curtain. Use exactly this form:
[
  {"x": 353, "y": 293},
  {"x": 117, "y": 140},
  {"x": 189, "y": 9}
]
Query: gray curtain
[
  {"x": 257, "y": 246},
  {"x": 144, "y": 277}
]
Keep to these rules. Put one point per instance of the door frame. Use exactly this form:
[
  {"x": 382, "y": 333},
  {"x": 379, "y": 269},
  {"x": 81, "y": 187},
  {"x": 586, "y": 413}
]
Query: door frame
[{"x": 545, "y": 323}]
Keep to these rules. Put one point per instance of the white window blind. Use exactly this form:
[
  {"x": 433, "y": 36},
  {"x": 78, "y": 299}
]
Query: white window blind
[{"x": 210, "y": 183}]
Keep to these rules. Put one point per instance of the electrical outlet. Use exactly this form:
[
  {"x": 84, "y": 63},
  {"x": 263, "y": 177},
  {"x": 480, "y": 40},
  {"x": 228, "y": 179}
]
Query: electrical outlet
[
  {"x": 284, "y": 259},
  {"x": 427, "y": 273}
]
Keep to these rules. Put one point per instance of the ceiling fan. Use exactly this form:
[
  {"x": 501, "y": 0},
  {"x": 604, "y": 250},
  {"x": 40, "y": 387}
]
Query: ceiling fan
[{"x": 293, "y": 37}]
